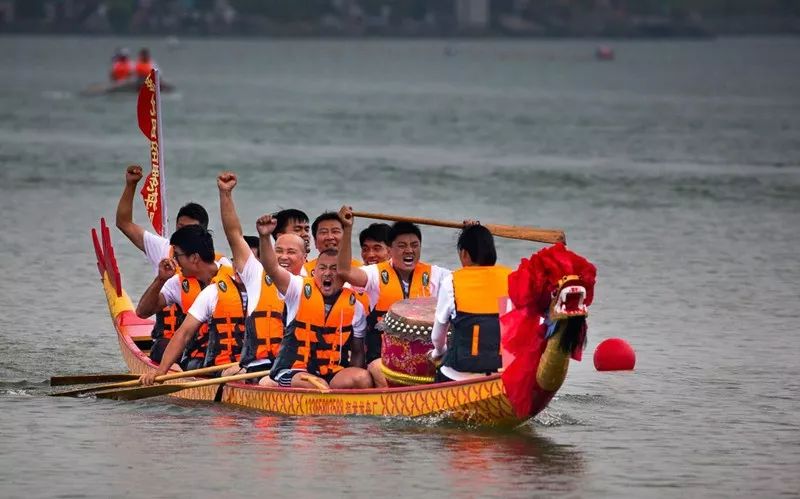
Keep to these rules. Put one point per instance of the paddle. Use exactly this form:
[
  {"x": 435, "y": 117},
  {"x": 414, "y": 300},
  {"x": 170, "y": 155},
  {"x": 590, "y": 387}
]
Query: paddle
[
  {"x": 156, "y": 390},
  {"x": 135, "y": 382},
  {"x": 85, "y": 379},
  {"x": 509, "y": 231}
]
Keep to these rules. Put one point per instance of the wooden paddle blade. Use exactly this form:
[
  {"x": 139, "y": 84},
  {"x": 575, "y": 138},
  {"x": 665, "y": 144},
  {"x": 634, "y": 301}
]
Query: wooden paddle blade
[
  {"x": 97, "y": 388},
  {"x": 141, "y": 392},
  {"x": 528, "y": 233},
  {"x": 84, "y": 379}
]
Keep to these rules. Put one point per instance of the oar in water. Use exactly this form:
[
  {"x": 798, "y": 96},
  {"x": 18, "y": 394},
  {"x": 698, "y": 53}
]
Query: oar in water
[
  {"x": 85, "y": 379},
  {"x": 509, "y": 231},
  {"x": 135, "y": 382},
  {"x": 156, "y": 390}
]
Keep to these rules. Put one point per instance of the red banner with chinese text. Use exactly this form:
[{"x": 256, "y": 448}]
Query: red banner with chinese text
[{"x": 148, "y": 111}]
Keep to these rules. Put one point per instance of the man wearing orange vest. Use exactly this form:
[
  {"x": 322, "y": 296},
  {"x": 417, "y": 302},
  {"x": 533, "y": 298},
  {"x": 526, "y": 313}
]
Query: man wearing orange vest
[
  {"x": 323, "y": 342},
  {"x": 264, "y": 308},
  {"x": 293, "y": 221},
  {"x": 144, "y": 64},
  {"x": 374, "y": 242},
  {"x": 469, "y": 301},
  {"x": 193, "y": 266},
  {"x": 155, "y": 249},
  {"x": 403, "y": 276},
  {"x": 121, "y": 67},
  {"x": 327, "y": 232}
]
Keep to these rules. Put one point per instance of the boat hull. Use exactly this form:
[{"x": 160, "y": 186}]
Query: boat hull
[{"x": 480, "y": 402}]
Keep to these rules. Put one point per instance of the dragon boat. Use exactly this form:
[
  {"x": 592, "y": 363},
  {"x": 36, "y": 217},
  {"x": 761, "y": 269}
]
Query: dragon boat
[{"x": 550, "y": 294}]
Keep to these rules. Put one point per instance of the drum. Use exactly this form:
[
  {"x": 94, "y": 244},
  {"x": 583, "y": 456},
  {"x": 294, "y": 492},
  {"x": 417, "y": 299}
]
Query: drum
[{"x": 406, "y": 341}]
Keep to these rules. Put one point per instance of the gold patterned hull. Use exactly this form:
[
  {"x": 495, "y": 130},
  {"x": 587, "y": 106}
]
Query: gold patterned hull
[{"x": 480, "y": 402}]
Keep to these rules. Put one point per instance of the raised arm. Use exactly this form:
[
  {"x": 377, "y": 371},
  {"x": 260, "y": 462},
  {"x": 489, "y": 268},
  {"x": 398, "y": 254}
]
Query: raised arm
[
  {"x": 152, "y": 300},
  {"x": 279, "y": 275},
  {"x": 226, "y": 181},
  {"x": 175, "y": 347},
  {"x": 134, "y": 232},
  {"x": 355, "y": 276}
]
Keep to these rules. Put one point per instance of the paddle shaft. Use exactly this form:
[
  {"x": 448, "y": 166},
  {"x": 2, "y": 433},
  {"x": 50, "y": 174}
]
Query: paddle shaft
[
  {"x": 127, "y": 384},
  {"x": 156, "y": 390},
  {"x": 83, "y": 379},
  {"x": 508, "y": 231}
]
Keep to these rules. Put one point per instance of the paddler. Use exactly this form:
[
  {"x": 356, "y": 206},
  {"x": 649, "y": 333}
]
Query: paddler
[
  {"x": 374, "y": 242},
  {"x": 156, "y": 248},
  {"x": 293, "y": 221},
  {"x": 403, "y": 276},
  {"x": 144, "y": 64},
  {"x": 180, "y": 279},
  {"x": 264, "y": 307},
  {"x": 469, "y": 301},
  {"x": 327, "y": 231},
  {"x": 323, "y": 344},
  {"x": 121, "y": 67}
]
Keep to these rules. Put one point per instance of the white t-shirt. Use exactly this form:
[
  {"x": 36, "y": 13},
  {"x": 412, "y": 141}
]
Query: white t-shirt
[
  {"x": 445, "y": 311},
  {"x": 292, "y": 301},
  {"x": 156, "y": 248},
  {"x": 373, "y": 288},
  {"x": 203, "y": 307},
  {"x": 251, "y": 276}
]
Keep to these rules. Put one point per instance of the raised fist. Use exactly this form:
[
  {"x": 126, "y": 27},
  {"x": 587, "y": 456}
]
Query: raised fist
[
  {"x": 226, "y": 181},
  {"x": 266, "y": 224},
  {"x": 346, "y": 215},
  {"x": 133, "y": 174}
]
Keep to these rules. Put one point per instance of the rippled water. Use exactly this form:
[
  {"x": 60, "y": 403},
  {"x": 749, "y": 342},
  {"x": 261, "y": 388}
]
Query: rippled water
[{"x": 676, "y": 169}]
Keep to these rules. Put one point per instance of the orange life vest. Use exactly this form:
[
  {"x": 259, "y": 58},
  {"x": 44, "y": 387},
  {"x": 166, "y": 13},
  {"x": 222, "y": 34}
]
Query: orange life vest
[
  {"x": 474, "y": 345},
  {"x": 390, "y": 291},
  {"x": 317, "y": 342},
  {"x": 143, "y": 68},
  {"x": 121, "y": 70},
  {"x": 226, "y": 328},
  {"x": 309, "y": 265},
  {"x": 265, "y": 324},
  {"x": 190, "y": 288}
]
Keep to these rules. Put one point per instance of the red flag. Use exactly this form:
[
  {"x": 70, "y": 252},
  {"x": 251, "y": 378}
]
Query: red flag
[{"x": 148, "y": 111}]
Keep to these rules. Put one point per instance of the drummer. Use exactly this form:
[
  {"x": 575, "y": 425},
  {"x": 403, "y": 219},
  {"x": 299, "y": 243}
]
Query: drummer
[
  {"x": 323, "y": 342},
  {"x": 469, "y": 301},
  {"x": 401, "y": 277}
]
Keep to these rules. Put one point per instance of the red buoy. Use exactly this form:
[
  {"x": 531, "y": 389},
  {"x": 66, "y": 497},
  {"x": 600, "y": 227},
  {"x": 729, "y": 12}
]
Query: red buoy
[{"x": 614, "y": 354}]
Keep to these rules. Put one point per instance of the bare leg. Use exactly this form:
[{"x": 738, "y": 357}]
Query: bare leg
[
  {"x": 299, "y": 380},
  {"x": 378, "y": 379},
  {"x": 267, "y": 381},
  {"x": 351, "y": 377}
]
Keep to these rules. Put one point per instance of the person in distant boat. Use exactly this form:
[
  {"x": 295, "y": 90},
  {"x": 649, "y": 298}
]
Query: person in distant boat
[
  {"x": 122, "y": 68},
  {"x": 156, "y": 248},
  {"x": 327, "y": 232},
  {"x": 264, "y": 307},
  {"x": 469, "y": 301},
  {"x": 193, "y": 266},
  {"x": 374, "y": 241},
  {"x": 294, "y": 221},
  {"x": 403, "y": 276},
  {"x": 323, "y": 343},
  {"x": 144, "y": 64}
]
